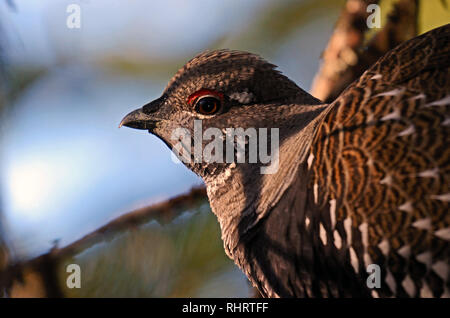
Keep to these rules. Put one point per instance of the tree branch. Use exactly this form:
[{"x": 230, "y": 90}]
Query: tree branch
[
  {"x": 41, "y": 271},
  {"x": 347, "y": 55}
]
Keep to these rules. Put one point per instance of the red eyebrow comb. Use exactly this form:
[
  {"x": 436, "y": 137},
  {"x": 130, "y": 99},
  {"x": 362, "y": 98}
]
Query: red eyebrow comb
[{"x": 203, "y": 92}]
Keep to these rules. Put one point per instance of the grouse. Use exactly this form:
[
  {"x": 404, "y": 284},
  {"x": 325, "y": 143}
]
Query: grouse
[{"x": 357, "y": 204}]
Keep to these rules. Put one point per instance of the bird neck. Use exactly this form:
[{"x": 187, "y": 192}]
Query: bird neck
[{"x": 241, "y": 196}]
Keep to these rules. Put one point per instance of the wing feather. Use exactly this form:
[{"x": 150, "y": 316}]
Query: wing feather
[{"x": 383, "y": 153}]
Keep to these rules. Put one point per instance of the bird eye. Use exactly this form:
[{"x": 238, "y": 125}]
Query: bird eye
[
  {"x": 207, "y": 105},
  {"x": 206, "y": 101}
]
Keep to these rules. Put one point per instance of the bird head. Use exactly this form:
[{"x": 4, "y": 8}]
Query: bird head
[{"x": 221, "y": 89}]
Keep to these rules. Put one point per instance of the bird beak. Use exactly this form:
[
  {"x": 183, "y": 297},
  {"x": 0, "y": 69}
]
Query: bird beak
[
  {"x": 137, "y": 119},
  {"x": 144, "y": 117}
]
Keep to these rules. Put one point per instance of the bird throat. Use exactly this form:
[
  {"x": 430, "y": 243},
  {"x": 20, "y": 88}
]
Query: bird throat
[{"x": 241, "y": 197}]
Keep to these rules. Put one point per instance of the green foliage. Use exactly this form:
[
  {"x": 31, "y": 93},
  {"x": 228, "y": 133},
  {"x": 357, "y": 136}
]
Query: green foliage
[
  {"x": 280, "y": 19},
  {"x": 172, "y": 260},
  {"x": 432, "y": 14}
]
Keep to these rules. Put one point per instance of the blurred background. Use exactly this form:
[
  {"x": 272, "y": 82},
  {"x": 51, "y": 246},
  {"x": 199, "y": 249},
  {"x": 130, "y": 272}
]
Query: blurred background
[{"x": 65, "y": 167}]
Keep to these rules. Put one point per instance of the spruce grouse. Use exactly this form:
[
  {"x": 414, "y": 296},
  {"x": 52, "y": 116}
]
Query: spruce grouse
[{"x": 360, "y": 184}]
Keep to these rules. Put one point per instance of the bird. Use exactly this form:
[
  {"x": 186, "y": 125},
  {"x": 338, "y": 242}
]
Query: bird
[{"x": 359, "y": 203}]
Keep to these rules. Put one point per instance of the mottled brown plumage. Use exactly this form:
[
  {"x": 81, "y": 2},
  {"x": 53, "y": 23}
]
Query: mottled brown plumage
[
  {"x": 382, "y": 153},
  {"x": 363, "y": 180}
]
